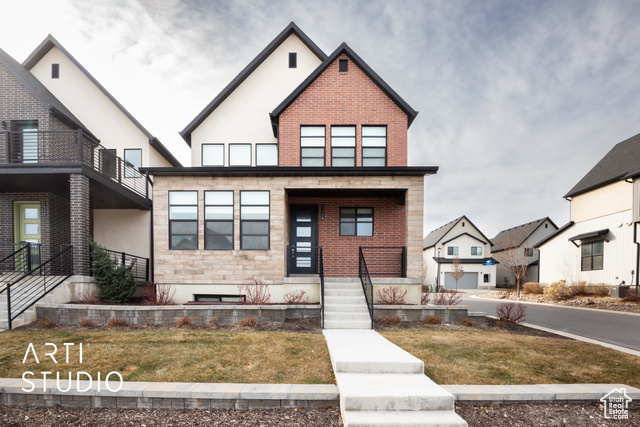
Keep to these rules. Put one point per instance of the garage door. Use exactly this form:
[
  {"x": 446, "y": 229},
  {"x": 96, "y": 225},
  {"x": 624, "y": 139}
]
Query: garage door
[{"x": 468, "y": 281}]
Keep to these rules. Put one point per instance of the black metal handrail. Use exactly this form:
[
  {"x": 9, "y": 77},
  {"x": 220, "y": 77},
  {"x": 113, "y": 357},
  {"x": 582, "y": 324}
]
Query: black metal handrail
[
  {"x": 70, "y": 147},
  {"x": 33, "y": 285},
  {"x": 367, "y": 285},
  {"x": 139, "y": 266},
  {"x": 22, "y": 257},
  {"x": 386, "y": 261}
]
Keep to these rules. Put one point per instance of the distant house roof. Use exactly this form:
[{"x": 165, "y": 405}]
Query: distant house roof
[
  {"x": 42, "y": 94},
  {"x": 49, "y": 43},
  {"x": 436, "y": 235},
  {"x": 556, "y": 233},
  {"x": 292, "y": 28},
  {"x": 621, "y": 162},
  {"x": 344, "y": 48},
  {"x": 516, "y": 236}
]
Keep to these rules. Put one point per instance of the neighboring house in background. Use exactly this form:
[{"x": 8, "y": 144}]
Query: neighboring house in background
[
  {"x": 518, "y": 244},
  {"x": 301, "y": 150},
  {"x": 599, "y": 244},
  {"x": 459, "y": 238}
]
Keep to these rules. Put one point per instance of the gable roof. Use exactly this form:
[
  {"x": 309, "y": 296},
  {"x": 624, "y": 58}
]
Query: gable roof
[
  {"x": 464, "y": 234},
  {"x": 438, "y": 234},
  {"x": 554, "y": 234},
  {"x": 344, "y": 48},
  {"x": 49, "y": 43},
  {"x": 621, "y": 162},
  {"x": 515, "y": 236},
  {"x": 292, "y": 28},
  {"x": 41, "y": 93}
]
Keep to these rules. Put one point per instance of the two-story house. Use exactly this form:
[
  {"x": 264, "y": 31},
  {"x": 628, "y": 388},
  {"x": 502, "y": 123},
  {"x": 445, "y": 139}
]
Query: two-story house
[
  {"x": 459, "y": 239},
  {"x": 600, "y": 242},
  {"x": 301, "y": 151}
]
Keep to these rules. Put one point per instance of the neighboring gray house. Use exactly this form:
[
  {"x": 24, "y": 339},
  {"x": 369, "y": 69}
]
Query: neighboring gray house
[{"x": 520, "y": 241}]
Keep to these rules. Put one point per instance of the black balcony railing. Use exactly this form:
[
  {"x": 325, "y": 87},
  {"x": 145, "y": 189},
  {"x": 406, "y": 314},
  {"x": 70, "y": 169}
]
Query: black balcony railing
[
  {"x": 139, "y": 266},
  {"x": 69, "y": 148}
]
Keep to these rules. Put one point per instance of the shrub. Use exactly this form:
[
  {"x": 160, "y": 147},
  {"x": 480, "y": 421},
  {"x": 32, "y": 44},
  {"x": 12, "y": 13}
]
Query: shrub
[
  {"x": 117, "y": 323},
  {"x": 256, "y": 292},
  {"x": 296, "y": 297},
  {"x": 466, "y": 322},
  {"x": 86, "y": 323},
  {"x": 425, "y": 297},
  {"x": 511, "y": 312},
  {"x": 632, "y": 295},
  {"x": 154, "y": 294},
  {"x": 600, "y": 290},
  {"x": 87, "y": 297},
  {"x": 184, "y": 322},
  {"x": 432, "y": 320},
  {"x": 47, "y": 324},
  {"x": 248, "y": 322},
  {"x": 117, "y": 283},
  {"x": 447, "y": 298},
  {"x": 579, "y": 288},
  {"x": 392, "y": 320},
  {"x": 392, "y": 295},
  {"x": 532, "y": 288},
  {"x": 558, "y": 291},
  {"x": 214, "y": 323}
]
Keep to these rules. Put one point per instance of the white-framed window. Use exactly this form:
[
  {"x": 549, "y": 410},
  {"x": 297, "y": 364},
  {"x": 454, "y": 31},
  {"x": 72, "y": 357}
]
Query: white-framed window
[
  {"x": 132, "y": 162},
  {"x": 476, "y": 250},
  {"x": 218, "y": 220},
  {"x": 239, "y": 154},
  {"x": 452, "y": 250},
  {"x": 266, "y": 154},
  {"x": 312, "y": 146},
  {"x": 212, "y": 155},
  {"x": 374, "y": 146},
  {"x": 356, "y": 221},
  {"x": 254, "y": 220},
  {"x": 183, "y": 220},
  {"x": 343, "y": 146}
]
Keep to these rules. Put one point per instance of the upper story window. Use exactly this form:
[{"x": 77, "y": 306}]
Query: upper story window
[
  {"x": 132, "y": 162},
  {"x": 343, "y": 65},
  {"x": 293, "y": 60},
  {"x": 212, "y": 154},
  {"x": 592, "y": 255},
  {"x": 356, "y": 221},
  {"x": 55, "y": 71},
  {"x": 266, "y": 154},
  {"x": 183, "y": 220},
  {"x": 312, "y": 145},
  {"x": 343, "y": 146},
  {"x": 528, "y": 251},
  {"x": 218, "y": 220},
  {"x": 239, "y": 154},
  {"x": 452, "y": 250},
  {"x": 476, "y": 250},
  {"x": 374, "y": 145}
]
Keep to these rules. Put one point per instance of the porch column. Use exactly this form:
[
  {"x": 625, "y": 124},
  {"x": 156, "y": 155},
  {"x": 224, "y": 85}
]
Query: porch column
[{"x": 80, "y": 223}]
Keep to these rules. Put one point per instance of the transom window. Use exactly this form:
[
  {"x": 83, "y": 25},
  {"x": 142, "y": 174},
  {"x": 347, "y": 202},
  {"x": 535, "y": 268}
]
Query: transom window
[
  {"x": 212, "y": 154},
  {"x": 183, "y": 220},
  {"x": 476, "y": 250},
  {"x": 452, "y": 250},
  {"x": 374, "y": 145},
  {"x": 218, "y": 220},
  {"x": 343, "y": 146},
  {"x": 239, "y": 154},
  {"x": 356, "y": 221},
  {"x": 312, "y": 143},
  {"x": 592, "y": 255},
  {"x": 133, "y": 162},
  {"x": 266, "y": 154},
  {"x": 254, "y": 220}
]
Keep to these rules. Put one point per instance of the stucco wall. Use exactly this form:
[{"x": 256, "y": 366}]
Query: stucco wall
[
  {"x": 123, "y": 230},
  {"x": 610, "y": 199}
]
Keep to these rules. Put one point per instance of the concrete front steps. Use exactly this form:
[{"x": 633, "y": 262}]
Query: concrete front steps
[
  {"x": 344, "y": 305},
  {"x": 382, "y": 385}
]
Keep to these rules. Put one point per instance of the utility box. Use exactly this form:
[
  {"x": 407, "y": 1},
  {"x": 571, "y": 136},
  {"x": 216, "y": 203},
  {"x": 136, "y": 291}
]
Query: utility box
[{"x": 619, "y": 291}]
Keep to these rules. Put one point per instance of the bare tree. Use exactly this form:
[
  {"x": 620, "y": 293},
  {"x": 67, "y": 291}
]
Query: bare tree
[
  {"x": 456, "y": 271},
  {"x": 515, "y": 259}
]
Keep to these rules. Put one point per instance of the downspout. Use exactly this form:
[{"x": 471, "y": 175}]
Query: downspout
[{"x": 635, "y": 240}]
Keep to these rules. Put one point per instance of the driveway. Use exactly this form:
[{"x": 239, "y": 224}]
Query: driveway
[{"x": 622, "y": 329}]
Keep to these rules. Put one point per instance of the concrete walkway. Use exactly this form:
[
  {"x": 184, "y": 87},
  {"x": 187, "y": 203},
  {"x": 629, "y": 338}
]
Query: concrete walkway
[{"x": 382, "y": 385}]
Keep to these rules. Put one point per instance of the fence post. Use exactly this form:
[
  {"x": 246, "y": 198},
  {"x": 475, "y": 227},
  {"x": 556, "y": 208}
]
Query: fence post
[{"x": 146, "y": 270}]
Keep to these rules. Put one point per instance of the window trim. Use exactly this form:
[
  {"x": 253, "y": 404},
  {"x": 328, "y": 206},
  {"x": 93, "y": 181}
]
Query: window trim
[
  {"x": 136, "y": 170},
  {"x": 202, "y": 153},
  {"x": 324, "y": 146},
  {"x": 232, "y": 220},
  {"x": 268, "y": 221},
  {"x": 197, "y": 220},
  {"x": 386, "y": 150},
  {"x": 241, "y": 144},
  {"x": 355, "y": 145},
  {"x": 356, "y": 221},
  {"x": 258, "y": 144},
  {"x": 582, "y": 257}
]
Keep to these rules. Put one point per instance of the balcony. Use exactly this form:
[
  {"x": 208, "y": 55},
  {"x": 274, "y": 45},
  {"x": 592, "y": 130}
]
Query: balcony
[{"x": 52, "y": 153}]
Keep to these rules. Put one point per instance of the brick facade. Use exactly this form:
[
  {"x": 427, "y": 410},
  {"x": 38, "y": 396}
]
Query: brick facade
[
  {"x": 349, "y": 98},
  {"x": 80, "y": 223}
]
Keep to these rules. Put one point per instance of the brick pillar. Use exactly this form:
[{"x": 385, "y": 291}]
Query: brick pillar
[{"x": 80, "y": 223}]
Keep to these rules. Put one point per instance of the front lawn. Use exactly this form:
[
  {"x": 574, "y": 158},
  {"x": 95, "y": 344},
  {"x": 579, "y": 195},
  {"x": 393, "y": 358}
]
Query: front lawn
[
  {"x": 174, "y": 355},
  {"x": 500, "y": 357}
]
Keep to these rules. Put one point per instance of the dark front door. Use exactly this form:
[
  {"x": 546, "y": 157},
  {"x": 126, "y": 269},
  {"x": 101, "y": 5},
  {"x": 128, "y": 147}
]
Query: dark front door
[{"x": 303, "y": 239}]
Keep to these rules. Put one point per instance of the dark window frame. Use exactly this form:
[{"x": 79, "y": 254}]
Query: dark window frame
[
  {"x": 259, "y": 144},
  {"x": 476, "y": 247},
  {"x": 355, "y": 145},
  {"x": 591, "y": 256},
  {"x": 128, "y": 166},
  {"x": 172, "y": 221},
  {"x": 217, "y": 298},
  {"x": 55, "y": 71},
  {"x": 202, "y": 154},
  {"x": 324, "y": 146},
  {"x": 238, "y": 145},
  {"x": 267, "y": 221},
  {"x": 452, "y": 252},
  {"x": 343, "y": 65},
  {"x": 206, "y": 221},
  {"x": 356, "y": 222},
  {"x": 386, "y": 151},
  {"x": 293, "y": 60}
]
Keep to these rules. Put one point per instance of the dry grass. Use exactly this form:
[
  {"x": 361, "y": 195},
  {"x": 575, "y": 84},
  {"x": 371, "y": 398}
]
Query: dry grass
[
  {"x": 179, "y": 355},
  {"x": 494, "y": 357}
]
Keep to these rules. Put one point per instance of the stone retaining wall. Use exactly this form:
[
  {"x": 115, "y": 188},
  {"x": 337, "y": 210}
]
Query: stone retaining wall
[{"x": 416, "y": 313}]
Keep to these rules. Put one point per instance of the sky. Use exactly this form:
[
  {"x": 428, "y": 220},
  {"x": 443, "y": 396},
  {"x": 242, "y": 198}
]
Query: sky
[{"x": 518, "y": 100}]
